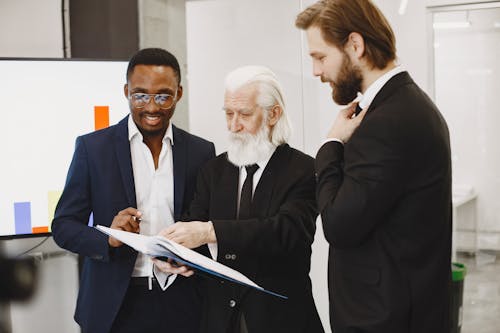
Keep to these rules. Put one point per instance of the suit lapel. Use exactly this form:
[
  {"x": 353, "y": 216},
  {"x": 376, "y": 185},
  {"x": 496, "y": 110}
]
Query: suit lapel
[
  {"x": 180, "y": 164},
  {"x": 390, "y": 87},
  {"x": 122, "y": 149},
  {"x": 264, "y": 190},
  {"x": 226, "y": 192}
]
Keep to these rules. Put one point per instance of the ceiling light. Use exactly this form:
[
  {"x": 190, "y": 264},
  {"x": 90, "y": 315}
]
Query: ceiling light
[
  {"x": 402, "y": 7},
  {"x": 451, "y": 25}
]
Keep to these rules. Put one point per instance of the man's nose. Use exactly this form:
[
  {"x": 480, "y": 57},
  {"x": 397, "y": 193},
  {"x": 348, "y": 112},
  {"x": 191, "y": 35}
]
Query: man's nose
[
  {"x": 317, "y": 70},
  {"x": 151, "y": 106},
  {"x": 235, "y": 125}
]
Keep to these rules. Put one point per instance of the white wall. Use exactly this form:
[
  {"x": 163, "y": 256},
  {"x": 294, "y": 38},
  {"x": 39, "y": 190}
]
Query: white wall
[
  {"x": 219, "y": 42},
  {"x": 31, "y": 28},
  {"x": 162, "y": 23},
  {"x": 467, "y": 85}
]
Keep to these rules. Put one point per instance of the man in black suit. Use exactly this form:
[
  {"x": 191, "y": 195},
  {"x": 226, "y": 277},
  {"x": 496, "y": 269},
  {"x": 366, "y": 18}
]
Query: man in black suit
[
  {"x": 384, "y": 179},
  {"x": 138, "y": 175},
  {"x": 267, "y": 238}
]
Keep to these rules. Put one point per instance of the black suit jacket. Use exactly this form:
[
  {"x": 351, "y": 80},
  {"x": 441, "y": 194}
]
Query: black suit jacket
[
  {"x": 101, "y": 181},
  {"x": 273, "y": 247},
  {"x": 385, "y": 202}
]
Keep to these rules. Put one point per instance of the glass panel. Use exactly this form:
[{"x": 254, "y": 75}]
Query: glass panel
[{"x": 467, "y": 82}]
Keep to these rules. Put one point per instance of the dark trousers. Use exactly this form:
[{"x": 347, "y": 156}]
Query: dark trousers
[{"x": 176, "y": 309}]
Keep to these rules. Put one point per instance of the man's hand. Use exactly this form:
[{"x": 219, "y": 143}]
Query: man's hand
[
  {"x": 127, "y": 220},
  {"x": 171, "y": 267},
  {"x": 190, "y": 234},
  {"x": 344, "y": 125}
]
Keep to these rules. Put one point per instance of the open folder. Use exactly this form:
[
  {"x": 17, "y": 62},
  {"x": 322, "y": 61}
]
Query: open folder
[{"x": 162, "y": 248}]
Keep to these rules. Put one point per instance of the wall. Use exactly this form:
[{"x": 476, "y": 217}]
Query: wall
[
  {"x": 466, "y": 86},
  {"x": 218, "y": 43},
  {"x": 103, "y": 29},
  {"x": 162, "y": 23},
  {"x": 31, "y": 28}
]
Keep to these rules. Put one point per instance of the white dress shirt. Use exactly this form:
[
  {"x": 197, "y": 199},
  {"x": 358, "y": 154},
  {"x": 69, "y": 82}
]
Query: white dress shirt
[
  {"x": 364, "y": 100},
  {"x": 374, "y": 88},
  {"x": 154, "y": 191},
  {"x": 255, "y": 181}
]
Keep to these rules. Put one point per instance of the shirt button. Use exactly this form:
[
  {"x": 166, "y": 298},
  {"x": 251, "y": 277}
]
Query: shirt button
[
  {"x": 233, "y": 256},
  {"x": 232, "y": 303},
  {"x": 227, "y": 256}
]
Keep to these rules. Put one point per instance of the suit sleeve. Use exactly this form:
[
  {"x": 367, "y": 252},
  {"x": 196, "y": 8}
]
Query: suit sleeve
[
  {"x": 70, "y": 225},
  {"x": 198, "y": 208},
  {"x": 289, "y": 231},
  {"x": 357, "y": 190},
  {"x": 211, "y": 152}
]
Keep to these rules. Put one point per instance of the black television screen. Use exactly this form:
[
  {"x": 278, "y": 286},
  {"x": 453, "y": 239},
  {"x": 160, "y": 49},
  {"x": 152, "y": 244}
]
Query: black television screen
[{"x": 45, "y": 105}]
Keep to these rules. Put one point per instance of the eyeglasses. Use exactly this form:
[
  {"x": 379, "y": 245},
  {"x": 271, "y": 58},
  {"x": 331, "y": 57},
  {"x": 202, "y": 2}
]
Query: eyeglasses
[{"x": 140, "y": 100}]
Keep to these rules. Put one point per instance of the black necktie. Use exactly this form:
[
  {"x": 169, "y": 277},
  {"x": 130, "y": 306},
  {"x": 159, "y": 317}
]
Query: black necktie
[
  {"x": 358, "y": 109},
  {"x": 246, "y": 193}
]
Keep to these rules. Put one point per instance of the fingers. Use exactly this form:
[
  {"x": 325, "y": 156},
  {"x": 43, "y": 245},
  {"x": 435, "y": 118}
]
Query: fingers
[
  {"x": 350, "y": 109},
  {"x": 170, "y": 267},
  {"x": 361, "y": 115},
  {"x": 113, "y": 242},
  {"x": 133, "y": 213},
  {"x": 189, "y": 234},
  {"x": 128, "y": 220},
  {"x": 168, "y": 230},
  {"x": 176, "y": 231}
]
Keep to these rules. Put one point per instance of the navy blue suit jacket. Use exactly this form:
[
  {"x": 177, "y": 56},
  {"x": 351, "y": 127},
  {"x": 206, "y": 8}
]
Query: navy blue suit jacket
[{"x": 100, "y": 181}]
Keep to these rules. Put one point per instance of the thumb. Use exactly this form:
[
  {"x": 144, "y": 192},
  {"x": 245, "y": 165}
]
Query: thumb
[
  {"x": 350, "y": 109},
  {"x": 361, "y": 115}
]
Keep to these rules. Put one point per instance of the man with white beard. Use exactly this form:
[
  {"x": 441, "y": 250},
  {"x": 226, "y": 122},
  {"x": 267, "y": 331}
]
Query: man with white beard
[{"x": 255, "y": 208}]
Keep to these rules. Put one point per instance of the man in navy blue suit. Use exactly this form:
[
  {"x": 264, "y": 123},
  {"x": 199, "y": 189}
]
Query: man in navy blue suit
[{"x": 138, "y": 175}]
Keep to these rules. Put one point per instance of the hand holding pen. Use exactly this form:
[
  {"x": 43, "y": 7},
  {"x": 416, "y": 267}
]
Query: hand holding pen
[{"x": 127, "y": 220}]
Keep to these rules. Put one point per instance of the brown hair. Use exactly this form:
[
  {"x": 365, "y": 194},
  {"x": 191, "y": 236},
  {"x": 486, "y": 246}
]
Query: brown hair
[{"x": 338, "y": 18}]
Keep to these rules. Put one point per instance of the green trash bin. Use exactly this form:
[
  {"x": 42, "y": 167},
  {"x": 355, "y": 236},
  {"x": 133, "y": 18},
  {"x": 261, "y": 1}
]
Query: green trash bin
[{"x": 458, "y": 272}]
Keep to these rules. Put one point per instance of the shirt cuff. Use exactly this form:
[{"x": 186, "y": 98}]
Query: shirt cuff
[
  {"x": 212, "y": 247},
  {"x": 164, "y": 280},
  {"x": 330, "y": 140}
]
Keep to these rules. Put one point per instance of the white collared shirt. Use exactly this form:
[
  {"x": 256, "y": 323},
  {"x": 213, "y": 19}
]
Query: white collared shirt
[
  {"x": 374, "y": 88},
  {"x": 255, "y": 181},
  {"x": 367, "y": 98},
  {"x": 256, "y": 176},
  {"x": 154, "y": 191}
]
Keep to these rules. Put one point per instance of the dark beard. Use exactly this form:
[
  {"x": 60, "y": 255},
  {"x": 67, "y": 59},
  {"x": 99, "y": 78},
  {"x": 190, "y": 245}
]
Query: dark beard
[
  {"x": 348, "y": 83},
  {"x": 147, "y": 133}
]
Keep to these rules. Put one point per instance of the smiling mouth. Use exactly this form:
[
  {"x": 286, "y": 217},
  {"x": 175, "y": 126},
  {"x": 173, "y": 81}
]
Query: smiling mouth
[{"x": 152, "y": 120}]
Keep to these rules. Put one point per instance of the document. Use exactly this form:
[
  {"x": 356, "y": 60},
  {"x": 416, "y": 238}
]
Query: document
[{"x": 162, "y": 248}]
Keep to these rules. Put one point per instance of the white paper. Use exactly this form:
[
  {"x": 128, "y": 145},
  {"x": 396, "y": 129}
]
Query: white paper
[{"x": 157, "y": 246}]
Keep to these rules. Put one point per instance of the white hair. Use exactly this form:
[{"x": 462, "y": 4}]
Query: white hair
[{"x": 269, "y": 95}]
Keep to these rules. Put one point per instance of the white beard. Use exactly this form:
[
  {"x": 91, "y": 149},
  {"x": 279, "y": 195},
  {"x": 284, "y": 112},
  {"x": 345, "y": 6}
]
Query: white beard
[{"x": 245, "y": 148}]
